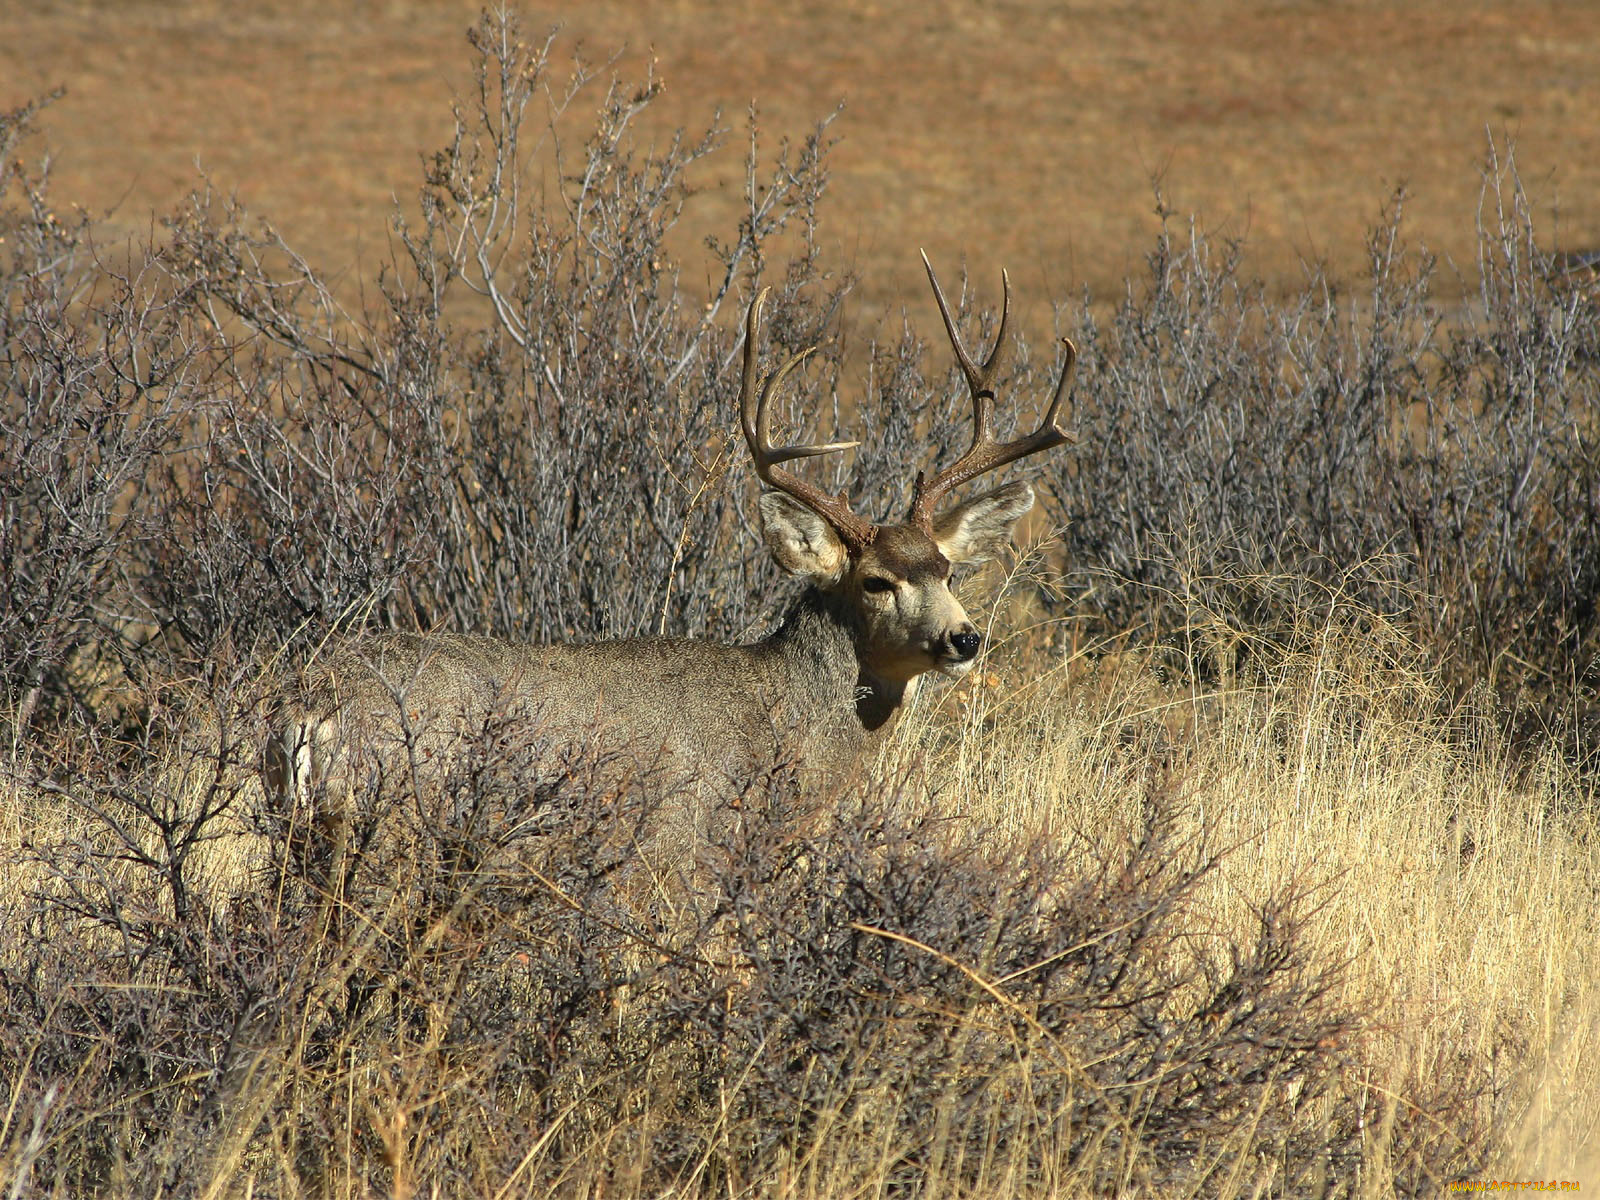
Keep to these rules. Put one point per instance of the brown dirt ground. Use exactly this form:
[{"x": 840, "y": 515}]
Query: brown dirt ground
[{"x": 1006, "y": 132}]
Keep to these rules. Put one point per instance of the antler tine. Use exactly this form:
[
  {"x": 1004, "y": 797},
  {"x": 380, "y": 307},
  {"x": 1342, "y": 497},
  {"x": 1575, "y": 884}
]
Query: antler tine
[
  {"x": 980, "y": 380},
  {"x": 755, "y": 416},
  {"x": 986, "y": 453}
]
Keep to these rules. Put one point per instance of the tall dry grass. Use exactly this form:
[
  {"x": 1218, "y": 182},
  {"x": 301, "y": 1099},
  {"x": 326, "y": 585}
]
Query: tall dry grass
[
  {"x": 1257, "y": 860},
  {"x": 1453, "y": 879},
  {"x": 1434, "y": 893}
]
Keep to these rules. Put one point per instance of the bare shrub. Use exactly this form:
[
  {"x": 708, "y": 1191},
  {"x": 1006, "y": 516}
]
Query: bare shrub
[
  {"x": 991, "y": 1012},
  {"x": 1442, "y": 472},
  {"x": 102, "y": 374},
  {"x": 136, "y": 945},
  {"x": 502, "y": 992},
  {"x": 210, "y": 449},
  {"x": 387, "y": 467}
]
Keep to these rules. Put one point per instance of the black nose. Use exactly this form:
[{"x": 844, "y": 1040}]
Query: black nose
[{"x": 966, "y": 644}]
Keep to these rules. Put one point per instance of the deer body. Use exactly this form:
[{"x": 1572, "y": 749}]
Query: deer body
[
  {"x": 711, "y": 707},
  {"x": 826, "y": 686}
]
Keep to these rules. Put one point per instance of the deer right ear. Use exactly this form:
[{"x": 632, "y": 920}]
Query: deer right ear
[
  {"x": 801, "y": 542},
  {"x": 977, "y": 530}
]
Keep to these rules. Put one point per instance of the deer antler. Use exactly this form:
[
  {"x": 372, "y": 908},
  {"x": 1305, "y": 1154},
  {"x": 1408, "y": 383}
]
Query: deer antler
[
  {"x": 985, "y": 453},
  {"x": 856, "y": 531}
]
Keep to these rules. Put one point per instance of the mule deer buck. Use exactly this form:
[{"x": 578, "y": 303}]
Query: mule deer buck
[{"x": 877, "y": 611}]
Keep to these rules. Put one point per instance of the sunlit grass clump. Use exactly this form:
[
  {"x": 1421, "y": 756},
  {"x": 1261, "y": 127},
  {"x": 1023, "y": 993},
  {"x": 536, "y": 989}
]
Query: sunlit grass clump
[{"x": 1449, "y": 880}]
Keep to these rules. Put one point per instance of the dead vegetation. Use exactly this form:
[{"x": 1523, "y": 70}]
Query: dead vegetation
[{"x": 1241, "y": 872}]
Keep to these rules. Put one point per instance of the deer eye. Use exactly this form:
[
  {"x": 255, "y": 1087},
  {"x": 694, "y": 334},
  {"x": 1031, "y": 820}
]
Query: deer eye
[{"x": 877, "y": 583}]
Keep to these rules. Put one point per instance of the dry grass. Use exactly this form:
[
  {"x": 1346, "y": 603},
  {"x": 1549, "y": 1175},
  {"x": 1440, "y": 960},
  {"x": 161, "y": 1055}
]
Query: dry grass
[
  {"x": 1448, "y": 890},
  {"x": 1456, "y": 883},
  {"x": 1018, "y": 132}
]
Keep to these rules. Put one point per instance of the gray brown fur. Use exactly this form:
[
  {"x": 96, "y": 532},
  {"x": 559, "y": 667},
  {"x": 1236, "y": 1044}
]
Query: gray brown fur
[{"x": 823, "y": 688}]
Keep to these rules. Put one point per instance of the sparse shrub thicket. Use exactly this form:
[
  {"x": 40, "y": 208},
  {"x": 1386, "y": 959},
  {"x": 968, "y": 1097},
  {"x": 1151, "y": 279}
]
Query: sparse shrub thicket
[
  {"x": 1439, "y": 464},
  {"x": 208, "y": 463},
  {"x": 511, "y": 998}
]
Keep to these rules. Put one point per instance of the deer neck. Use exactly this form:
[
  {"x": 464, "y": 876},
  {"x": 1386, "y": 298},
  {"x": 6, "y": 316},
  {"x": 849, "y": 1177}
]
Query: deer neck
[{"x": 817, "y": 643}]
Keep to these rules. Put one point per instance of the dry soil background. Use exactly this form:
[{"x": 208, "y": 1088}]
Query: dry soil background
[{"x": 1012, "y": 131}]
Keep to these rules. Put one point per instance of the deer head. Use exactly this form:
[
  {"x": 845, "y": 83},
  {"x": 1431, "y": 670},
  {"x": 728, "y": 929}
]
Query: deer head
[{"x": 895, "y": 578}]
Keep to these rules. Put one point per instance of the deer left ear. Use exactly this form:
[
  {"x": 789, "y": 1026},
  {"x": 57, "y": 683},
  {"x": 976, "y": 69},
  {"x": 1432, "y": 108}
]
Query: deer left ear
[{"x": 980, "y": 528}]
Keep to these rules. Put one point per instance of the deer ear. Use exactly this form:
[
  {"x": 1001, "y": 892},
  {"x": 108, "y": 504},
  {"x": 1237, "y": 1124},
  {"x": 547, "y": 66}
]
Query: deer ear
[
  {"x": 801, "y": 542},
  {"x": 978, "y": 529}
]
